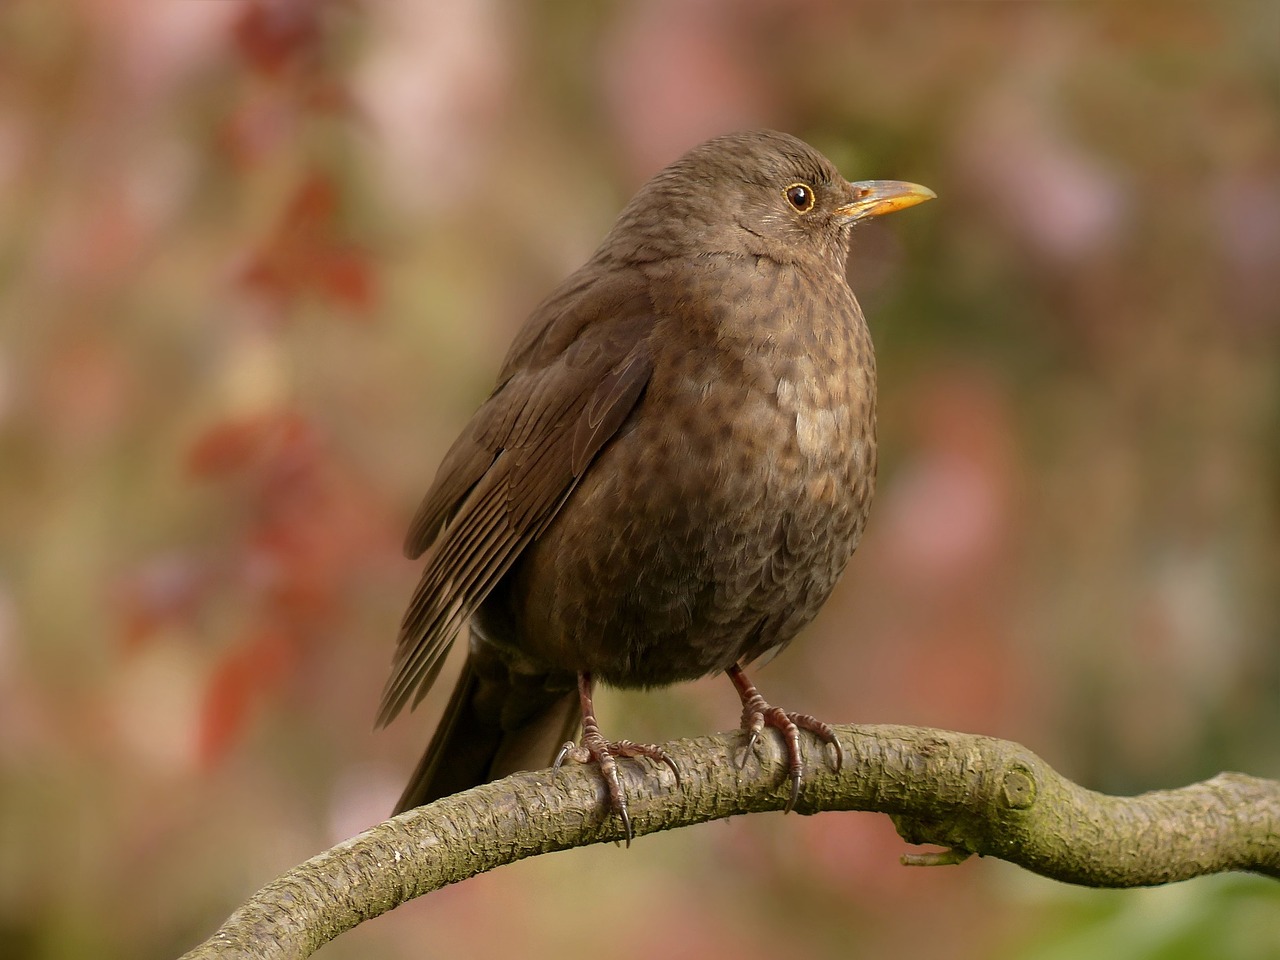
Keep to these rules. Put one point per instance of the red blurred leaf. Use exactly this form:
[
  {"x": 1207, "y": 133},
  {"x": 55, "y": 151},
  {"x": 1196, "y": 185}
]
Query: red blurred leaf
[
  {"x": 304, "y": 253},
  {"x": 314, "y": 205},
  {"x": 234, "y": 445},
  {"x": 245, "y": 675},
  {"x": 225, "y": 708},
  {"x": 307, "y": 524},
  {"x": 272, "y": 35},
  {"x": 348, "y": 279},
  {"x": 226, "y": 447}
]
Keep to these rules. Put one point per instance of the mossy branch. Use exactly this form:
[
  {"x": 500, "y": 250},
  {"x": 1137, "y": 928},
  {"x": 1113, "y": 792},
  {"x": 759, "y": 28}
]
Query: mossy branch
[{"x": 968, "y": 794}]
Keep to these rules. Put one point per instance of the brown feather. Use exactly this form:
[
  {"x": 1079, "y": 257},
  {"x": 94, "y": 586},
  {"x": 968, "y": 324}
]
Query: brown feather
[{"x": 515, "y": 465}]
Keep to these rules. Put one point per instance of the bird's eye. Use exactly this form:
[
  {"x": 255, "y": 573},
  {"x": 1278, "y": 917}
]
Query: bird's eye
[{"x": 800, "y": 196}]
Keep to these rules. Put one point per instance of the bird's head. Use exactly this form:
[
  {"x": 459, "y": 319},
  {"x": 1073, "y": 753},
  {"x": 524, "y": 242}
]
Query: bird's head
[{"x": 755, "y": 194}]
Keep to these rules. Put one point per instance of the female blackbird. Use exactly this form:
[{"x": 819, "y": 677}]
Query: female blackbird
[{"x": 669, "y": 477}]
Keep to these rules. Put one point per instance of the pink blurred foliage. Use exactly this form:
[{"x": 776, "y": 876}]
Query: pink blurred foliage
[
  {"x": 307, "y": 519},
  {"x": 163, "y": 592},
  {"x": 947, "y": 518},
  {"x": 925, "y": 629},
  {"x": 1065, "y": 204},
  {"x": 947, "y": 543},
  {"x": 308, "y": 522},
  {"x": 304, "y": 254},
  {"x": 85, "y": 392},
  {"x": 1247, "y": 217},
  {"x": 112, "y": 208},
  {"x": 435, "y": 90},
  {"x": 245, "y": 676},
  {"x": 677, "y": 73}
]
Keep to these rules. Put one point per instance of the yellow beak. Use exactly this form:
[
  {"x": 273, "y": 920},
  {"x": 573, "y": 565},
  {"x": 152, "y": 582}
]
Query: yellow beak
[{"x": 874, "y": 197}]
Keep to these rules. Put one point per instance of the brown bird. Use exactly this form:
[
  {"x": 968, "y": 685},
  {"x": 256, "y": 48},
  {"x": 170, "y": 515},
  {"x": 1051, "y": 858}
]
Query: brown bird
[{"x": 669, "y": 477}]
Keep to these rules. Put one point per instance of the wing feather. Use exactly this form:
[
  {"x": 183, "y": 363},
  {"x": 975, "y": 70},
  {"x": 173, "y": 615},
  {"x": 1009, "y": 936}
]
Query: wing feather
[{"x": 567, "y": 387}]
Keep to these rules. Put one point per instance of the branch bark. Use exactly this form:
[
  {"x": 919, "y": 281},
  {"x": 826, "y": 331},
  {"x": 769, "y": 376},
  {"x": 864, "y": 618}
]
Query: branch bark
[{"x": 966, "y": 793}]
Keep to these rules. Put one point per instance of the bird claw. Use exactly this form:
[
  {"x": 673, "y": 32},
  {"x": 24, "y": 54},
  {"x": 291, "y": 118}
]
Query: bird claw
[
  {"x": 595, "y": 747},
  {"x": 757, "y": 714}
]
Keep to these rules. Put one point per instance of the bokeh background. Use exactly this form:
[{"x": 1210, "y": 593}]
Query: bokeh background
[{"x": 260, "y": 260}]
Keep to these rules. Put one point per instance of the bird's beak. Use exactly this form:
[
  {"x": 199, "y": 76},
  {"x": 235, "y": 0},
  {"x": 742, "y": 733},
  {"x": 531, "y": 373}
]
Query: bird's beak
[{"x": 871, "y": 198}]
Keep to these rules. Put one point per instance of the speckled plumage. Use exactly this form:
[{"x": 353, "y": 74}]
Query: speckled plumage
[{"x": 672, "y": 472}]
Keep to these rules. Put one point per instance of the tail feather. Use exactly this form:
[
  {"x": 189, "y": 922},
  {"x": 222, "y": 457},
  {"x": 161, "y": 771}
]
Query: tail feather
[{"x": 495, "y": 724}]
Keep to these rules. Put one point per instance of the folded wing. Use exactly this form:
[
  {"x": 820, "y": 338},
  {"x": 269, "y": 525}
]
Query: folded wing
[{"x": 574, "y": 376}]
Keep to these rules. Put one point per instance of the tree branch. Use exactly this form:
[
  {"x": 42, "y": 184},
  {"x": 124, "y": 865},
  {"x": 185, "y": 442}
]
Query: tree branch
[{"x": 966, "y": 793}]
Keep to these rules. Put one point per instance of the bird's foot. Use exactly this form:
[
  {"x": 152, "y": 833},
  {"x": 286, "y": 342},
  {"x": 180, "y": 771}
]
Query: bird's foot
[
  {"x": 595, "y": 748},
  {"x": 757, "y": 713}
]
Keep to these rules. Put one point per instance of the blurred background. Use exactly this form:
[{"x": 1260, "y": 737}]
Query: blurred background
[{"x": 259, "y": 261}]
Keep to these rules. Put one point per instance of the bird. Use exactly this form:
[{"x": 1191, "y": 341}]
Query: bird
[{"x": 668, "y": 478}]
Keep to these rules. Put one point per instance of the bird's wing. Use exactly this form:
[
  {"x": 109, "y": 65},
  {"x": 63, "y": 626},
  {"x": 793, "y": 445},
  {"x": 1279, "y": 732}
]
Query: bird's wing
[{"x": 570, "y": 389}]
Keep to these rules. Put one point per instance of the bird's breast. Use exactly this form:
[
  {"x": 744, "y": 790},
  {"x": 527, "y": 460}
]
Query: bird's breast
[{"x": 719, "y": 518}]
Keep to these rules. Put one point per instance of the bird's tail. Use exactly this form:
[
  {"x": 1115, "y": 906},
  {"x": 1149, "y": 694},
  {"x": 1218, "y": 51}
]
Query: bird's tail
[{"x": 497, "y": 722}]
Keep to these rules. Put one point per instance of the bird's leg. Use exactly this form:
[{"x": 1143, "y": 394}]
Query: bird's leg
[
  {"x": 758, "y": 714},
  {"x": 595, "y": 747}
]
